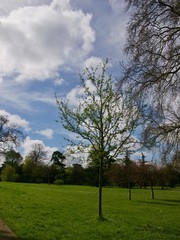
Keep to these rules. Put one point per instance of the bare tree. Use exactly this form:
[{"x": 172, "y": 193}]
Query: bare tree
[
  {"x": 153, "y": 70},
  {"x": 38, "y": 153},
  {"x": 10, "y": 135}
]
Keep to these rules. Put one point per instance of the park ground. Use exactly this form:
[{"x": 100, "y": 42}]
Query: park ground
[{"x": 51, "y": 212}]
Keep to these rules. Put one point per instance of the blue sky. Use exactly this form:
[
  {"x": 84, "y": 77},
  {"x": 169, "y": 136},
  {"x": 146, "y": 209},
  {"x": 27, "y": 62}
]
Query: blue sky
[{"x": 44, "y": 45}]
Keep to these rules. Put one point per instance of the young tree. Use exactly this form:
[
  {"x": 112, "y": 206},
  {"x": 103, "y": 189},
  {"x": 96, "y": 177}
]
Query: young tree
[
  {"x": 101, "y": 118},
  {"x": 154, "y": 65}
]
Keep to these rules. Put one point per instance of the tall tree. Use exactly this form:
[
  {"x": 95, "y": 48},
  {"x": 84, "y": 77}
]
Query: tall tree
[
  {"x": 34, "y": 171},
  {"x": 101, "y": 118},
  {"x": 13, "y": 158},
  {"x": 56, "y": 170},
  {"x": 128, "y": 171},
  {"x": 38, "y": 153},
  {"x": 57, "y": 158},
  {"x": 153, "y": 69}
]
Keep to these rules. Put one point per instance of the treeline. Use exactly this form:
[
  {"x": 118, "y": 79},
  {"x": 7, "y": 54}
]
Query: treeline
[{"x": 126, "y": 173}]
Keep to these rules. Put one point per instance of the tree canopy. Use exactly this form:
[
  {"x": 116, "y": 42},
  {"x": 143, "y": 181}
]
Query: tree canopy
[
  {"x": 10, "y": 135},
  {"x": 153, "y": 69}
]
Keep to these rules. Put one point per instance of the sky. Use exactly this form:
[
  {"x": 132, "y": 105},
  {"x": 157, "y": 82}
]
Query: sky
[{"x": 45, "y": 44}]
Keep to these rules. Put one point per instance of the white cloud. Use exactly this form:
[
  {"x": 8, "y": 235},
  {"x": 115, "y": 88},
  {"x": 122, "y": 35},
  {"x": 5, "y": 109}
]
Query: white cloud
[
  {"x": 76, "y": 155},
  {"x": 38, "y": 40},
  {"x": 92, "y": 62},
  {"x": 15, "y": 119},
  {"x": 59, "y": 81},
  {"x": 47, "y": 133},
  {"x": 117, "y": 6},
  {"x": 19, "y": 97},
  {"x": 7, "y": 6},
  {"x": 75, "y": 95}
]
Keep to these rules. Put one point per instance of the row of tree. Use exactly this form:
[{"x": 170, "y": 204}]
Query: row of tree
[{"x": 126, "y": 173}]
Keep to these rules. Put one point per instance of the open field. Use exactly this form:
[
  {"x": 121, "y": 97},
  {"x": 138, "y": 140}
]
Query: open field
[{"x": 43, "y": 212}]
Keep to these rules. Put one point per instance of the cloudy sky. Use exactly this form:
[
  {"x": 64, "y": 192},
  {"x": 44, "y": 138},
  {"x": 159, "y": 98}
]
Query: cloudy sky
[{"x": 45, "y": 44}]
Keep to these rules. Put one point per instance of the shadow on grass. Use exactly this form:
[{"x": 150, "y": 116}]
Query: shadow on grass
[
  {"x": 167, "y": 202},
  {"x": 153, "y": 228},
  {"x": 26, "y": 238},
  {"x": 170, "y": 200}
]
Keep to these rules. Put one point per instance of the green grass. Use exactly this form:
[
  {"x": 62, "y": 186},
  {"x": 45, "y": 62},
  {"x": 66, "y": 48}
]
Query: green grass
[{"x": 43, "y": 212}]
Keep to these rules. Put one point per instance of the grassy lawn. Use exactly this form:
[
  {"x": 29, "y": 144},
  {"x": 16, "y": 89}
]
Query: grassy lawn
[{"x": 43, "y": 212}]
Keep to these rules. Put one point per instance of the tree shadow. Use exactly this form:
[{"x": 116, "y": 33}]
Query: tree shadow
[
  {"x": 170, "y": 200},
  {"x": 167, "y": 202}
]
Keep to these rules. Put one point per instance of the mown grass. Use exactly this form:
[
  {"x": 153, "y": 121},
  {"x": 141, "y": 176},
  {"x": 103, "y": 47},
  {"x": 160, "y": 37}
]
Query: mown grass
[{"x": 43, "y": 212}]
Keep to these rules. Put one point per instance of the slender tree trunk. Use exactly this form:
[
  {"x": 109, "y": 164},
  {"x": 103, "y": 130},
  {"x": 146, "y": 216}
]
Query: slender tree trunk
[
  {"x": 100, "y": 189},
  {"x": 152, "y": 191},
  {"x": 129, "y": 187}
]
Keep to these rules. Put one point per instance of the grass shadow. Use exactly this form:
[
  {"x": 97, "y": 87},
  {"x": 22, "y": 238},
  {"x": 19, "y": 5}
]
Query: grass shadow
[
  {"x": 170, "y": 200},
  {"x": 172, "y": 203}
]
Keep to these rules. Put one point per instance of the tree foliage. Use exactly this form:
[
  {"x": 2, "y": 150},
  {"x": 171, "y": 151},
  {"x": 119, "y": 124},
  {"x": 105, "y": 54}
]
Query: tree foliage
[
  {"x": 34, "y": 171},
  {"x": 154, "y": 65},
  {"x": 13, "y": 158},
  {"x": 9, "y": 174},
  {"x": 57, "y": 158}
]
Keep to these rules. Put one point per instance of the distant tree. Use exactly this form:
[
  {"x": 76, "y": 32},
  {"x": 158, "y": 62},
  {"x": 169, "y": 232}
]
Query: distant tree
[
  {"x": 10, "y": 135},
  {"x": 152, "y": 177},
  {"x": 9, "y": 174},
  {"x": 94, "y": 160},
  {"x": 172, "y": 175},
  {"x": 13, "y": 158},
  {"x": 101, "y": 119},
  {"x": 176, "y": 161},
  {"x": 38, "y": 153},
  {"x": 78, "y": 175},
  {"x": 58, "y": 158},
  {"x": 153, "y": 70},
  {"x": 91, "y": 176},
  {"x": 162, "y": 175},
  {"x": 128, "y": 170},
  {"x": 142, "y": 172},
  {"x": 94, "y": 163},
  {"x": 34, "y": 171},
  {"x": 68, "y": 173},
  {"x": 115, "y": 175},
  {"x": 57, "y": 169}
]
